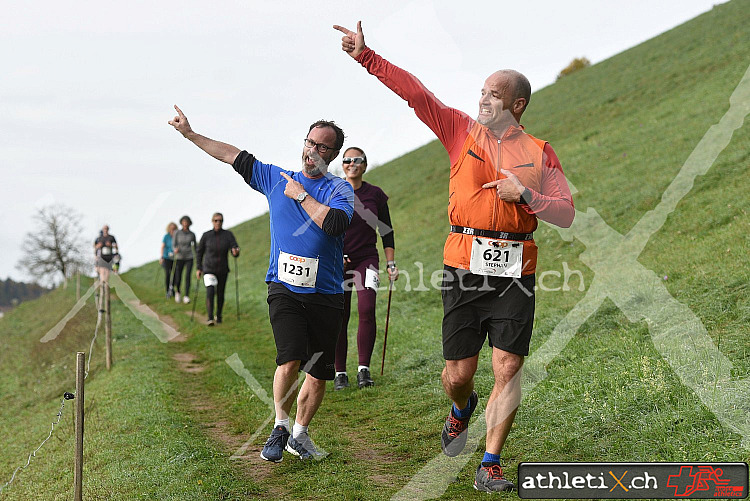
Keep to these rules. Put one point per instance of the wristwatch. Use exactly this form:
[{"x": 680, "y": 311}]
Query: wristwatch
[
  {"x": 391, "y": 264},
  {"x": 525, "y": 197},
  {"x": 302, "y": 196}
]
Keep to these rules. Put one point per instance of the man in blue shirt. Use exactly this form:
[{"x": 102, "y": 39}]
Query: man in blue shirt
[{"x": 309, "y": 213}]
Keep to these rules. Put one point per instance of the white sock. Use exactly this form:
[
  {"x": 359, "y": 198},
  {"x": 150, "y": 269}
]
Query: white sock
[
  {"x": 339, "y": 373},
  {"x": 282, "y": 422},
  {"x": 363, "y": 367},
  {"x": 298, "y": 430}
]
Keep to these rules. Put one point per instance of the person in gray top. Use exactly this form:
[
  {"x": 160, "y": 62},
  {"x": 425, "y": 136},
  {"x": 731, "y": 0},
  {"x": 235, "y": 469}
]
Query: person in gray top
[{"x": 184, "y": 246}]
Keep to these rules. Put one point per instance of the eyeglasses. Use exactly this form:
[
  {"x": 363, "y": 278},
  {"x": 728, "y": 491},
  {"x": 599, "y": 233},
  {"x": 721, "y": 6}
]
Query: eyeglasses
[
  {"x": 218, "y": 220},
  {"x": 356, "y": 160},
  {"x": 322, "y": 148}
]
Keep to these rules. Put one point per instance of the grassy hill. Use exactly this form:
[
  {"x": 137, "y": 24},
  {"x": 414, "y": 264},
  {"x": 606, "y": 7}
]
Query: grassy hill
[{"x": 623, "y": 130}]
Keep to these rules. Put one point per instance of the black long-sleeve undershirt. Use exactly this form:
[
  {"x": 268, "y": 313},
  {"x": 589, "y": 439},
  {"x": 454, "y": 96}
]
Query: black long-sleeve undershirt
[
  {"x": 336, "y": 222},
  {"x": 384, "y": 215},
  {"x": 243, "y": 165}
]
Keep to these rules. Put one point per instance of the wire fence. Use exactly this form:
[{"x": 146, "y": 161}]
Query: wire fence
[{"x": 100, "y": 303}]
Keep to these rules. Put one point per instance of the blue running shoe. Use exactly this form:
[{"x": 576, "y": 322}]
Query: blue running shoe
[
  {"x": 304, "y": 447},
  {"x": 275, "y": 444}
]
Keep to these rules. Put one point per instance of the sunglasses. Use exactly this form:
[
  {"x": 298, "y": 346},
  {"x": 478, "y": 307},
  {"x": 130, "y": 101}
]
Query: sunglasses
[
  {"x": 356, "y": 160},
  {"x": 218, "y": 220}
]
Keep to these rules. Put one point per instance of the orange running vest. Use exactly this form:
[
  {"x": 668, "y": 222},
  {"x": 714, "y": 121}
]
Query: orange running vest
[{"x": 472, "y": 206}]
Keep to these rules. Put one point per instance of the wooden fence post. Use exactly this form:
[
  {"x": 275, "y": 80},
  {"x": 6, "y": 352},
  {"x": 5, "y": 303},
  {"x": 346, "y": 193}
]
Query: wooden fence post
[
  {"x": 78, "y": 475},
  {"x": 108, "y": 327}
]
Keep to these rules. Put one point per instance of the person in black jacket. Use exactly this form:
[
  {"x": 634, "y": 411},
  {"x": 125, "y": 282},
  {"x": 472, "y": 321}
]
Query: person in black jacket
[{"x": 213, "y": 265}]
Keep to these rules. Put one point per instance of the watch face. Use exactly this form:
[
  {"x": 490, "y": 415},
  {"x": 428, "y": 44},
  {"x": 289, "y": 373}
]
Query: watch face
[{"x": 301, "y": 196}]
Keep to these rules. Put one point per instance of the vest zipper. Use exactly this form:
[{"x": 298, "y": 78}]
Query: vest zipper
[{"x": 497, "y": 177}]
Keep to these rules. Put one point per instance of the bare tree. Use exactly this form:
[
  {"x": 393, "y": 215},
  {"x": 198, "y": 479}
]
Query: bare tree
[{"x": 55, "y": 248}]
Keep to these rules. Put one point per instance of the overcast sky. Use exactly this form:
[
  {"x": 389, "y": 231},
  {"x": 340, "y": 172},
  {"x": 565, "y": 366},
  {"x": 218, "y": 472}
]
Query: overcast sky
[{"x": 88, "y": 87}]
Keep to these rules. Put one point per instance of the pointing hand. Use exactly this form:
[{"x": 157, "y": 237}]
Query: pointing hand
[
  {"x": 293, "y": 188},
  {"x": 180, "y": 123},
  {"x": 352, "y": 43},
  {"x": 508, "y": 189}
]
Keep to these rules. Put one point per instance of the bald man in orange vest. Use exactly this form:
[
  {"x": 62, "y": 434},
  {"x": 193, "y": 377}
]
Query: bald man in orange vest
[{"x": 502, "y": 180}]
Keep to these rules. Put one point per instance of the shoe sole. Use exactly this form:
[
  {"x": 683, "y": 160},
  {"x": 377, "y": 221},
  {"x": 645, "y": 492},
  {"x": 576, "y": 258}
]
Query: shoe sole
[
  {"x": 483, "y": 489},
  {"x": 292, "y": 451},
  {"x": 271, "y": 460}
]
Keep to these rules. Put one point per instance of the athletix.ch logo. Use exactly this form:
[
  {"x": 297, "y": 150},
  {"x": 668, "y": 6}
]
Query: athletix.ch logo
[{"x": 692, "y": 479}]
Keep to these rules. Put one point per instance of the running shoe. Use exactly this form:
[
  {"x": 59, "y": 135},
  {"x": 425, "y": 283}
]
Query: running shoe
[
  {"x": 177, "y": 297},
  {"x": 490, "y": 478},
  {"x": 455, "y": 431},
  {"x": 274, "y": 447},
  {"x": 364, "y": 379},
  {"x": 210, "y": 322},
  {"x": 186, "y": 299},
  {"x": 303, "y": 447},
  {"x": 341, "y": 381}
]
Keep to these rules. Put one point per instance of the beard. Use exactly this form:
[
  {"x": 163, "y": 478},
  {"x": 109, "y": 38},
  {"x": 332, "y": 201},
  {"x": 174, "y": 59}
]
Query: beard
[{"x": 320, "y": 167}]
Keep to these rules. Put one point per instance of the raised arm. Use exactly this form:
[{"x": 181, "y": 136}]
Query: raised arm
[
  {"x": 449, "y": 125},
  {"x": 220, "y": 151}
]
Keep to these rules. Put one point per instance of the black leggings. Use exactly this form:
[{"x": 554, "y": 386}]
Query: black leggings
[
  {"x": 218, "y": 291},
  {"x": 167, "y": 264},
  {"x": 181, "y": 264}
]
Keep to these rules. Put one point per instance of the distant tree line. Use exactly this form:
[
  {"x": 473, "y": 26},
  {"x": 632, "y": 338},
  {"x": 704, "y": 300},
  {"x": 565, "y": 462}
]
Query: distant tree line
[{"x": 12, "y": 293}]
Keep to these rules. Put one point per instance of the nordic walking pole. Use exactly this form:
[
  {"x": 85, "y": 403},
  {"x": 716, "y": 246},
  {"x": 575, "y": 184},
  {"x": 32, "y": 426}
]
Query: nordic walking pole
[
  {"x": 387, "y": 318},
  {"x": 197, "y": 288},
  {"x": 171, "y": 273},
  {"x": 236, "y": 287}
]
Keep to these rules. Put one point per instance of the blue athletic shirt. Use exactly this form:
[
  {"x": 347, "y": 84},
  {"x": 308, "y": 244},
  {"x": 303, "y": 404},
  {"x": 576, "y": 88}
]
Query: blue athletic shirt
[
  {"x": 168, "y": 250},
  {"x": 293, "y": 230}
]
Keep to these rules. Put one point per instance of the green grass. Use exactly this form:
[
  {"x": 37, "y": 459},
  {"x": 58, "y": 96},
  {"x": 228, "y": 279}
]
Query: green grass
[
  {"x": 622, "y": 129},
  {"x": 139, "y": 441}
]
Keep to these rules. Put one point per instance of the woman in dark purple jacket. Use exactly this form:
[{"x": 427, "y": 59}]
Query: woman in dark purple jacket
[{"x": 361, "y": 265}]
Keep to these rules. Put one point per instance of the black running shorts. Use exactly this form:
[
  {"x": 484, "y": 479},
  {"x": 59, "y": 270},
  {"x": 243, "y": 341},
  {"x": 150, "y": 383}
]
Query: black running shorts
[
  {"x": 305, "y": 331},
  {"x": 477, "y": 307}
]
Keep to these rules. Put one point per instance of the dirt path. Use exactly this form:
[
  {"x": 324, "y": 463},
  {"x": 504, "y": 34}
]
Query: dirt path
[
  {"x": 378, "y": 460},
  {"x": 213, "y": 420}
]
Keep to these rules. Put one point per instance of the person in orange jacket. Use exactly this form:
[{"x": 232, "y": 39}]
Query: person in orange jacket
[{"x": 502, "y": 180}]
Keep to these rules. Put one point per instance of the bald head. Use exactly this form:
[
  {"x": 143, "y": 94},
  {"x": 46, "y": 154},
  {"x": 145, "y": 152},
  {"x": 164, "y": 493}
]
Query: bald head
[
  {"x": 515, "y": 84},
  {"x": 504, "y": 98}
]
